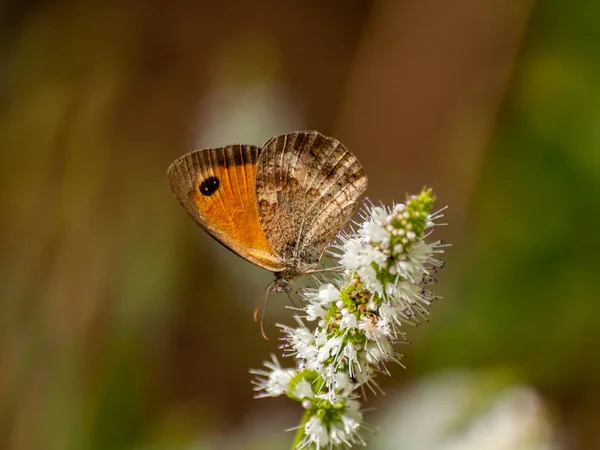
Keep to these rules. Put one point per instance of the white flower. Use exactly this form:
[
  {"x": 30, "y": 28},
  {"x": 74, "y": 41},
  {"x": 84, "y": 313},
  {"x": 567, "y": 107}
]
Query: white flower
[
  {"x": 413, "y": 299},
  {"x": 303, "y": 390},
  {"x": 358, "y": 254},
  {"x": 320, "y": 300},
  {"x": 372, "y": 255},
  {"x": 343, "y": 383},
  {"x": 367, "y": 378},
  {"x": 315, "y": 433},
  {"x": 374, "y": 330},
  {"x": 300, "y": 342},
  {"x": 405, "y": 269},
  {"x": 349, "y": 321},
  {"x": 380, "y": 351},
  {"x": 373, "y": 232},
  {"x": 351, "y": 257},
  {"x": 422, "y": 255},
  {"x": 378, "y": 214},
  {"x": 328, "y": 294},
  {"x": 343, "y": 431},
  {"x": 369, "y": 277},
  {"x": 315, "y": 311},
  {"x": 321, "y": 336},
  {"x": 351, "y": 421},
  {"x": 351, "y": 355},
  {"x": 390, "y": 289},
  {"x": 392, "y": 317},
  {"x": 331, "y": 348},
  {"x": 323, "y": 296},
  {"x": 272, "y": 382},
  {"x": 387, "y": 311},
  {"x": 328, "y": 373}
]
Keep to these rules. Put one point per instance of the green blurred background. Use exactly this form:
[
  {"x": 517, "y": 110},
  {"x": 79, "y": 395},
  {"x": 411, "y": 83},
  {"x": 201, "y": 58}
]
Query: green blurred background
[{"x": 123, "y": 326}]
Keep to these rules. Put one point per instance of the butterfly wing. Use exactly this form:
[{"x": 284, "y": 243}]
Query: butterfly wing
[
  {"x": 307, "y": 186},
  {"x": 217, "y": 188}
]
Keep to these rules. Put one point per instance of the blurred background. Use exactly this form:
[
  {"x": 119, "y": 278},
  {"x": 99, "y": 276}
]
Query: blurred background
[{"x": 124, "y": 326}]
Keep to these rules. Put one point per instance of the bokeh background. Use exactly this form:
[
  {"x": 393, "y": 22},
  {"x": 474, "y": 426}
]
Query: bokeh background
[{"x": 123, "y": 326}]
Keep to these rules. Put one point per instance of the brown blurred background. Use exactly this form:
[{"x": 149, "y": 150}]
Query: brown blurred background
[{"x": 123, "y": 326}]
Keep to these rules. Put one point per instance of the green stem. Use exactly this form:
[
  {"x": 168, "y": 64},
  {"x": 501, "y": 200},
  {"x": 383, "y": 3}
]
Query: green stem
[{"x": 300, "y": 432}]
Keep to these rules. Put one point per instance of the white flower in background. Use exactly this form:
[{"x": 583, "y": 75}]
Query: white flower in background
[
  {"x": 386, "y": 267},
  {"x": 461, "y": 410}
]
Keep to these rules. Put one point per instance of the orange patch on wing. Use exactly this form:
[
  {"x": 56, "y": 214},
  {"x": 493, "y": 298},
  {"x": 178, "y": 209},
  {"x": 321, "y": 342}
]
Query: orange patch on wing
[{"x": 232, "y": 213}]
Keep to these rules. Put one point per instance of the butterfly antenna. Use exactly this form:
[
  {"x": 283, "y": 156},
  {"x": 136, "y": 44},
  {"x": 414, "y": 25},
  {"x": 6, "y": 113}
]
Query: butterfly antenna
[{"x": 262, "y": 304}]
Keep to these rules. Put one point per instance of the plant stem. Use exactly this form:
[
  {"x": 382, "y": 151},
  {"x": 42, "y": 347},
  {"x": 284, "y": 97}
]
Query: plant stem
[{"x": 300, "y": 432}]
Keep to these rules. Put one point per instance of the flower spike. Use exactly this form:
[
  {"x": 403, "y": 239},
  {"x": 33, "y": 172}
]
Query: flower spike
[{"x": 387, "y": 267}]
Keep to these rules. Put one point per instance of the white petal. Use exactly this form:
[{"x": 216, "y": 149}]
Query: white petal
[{"x": 303, "y": 390}]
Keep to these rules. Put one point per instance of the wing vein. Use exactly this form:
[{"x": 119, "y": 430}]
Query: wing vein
[
  {"x": 341, "y": 174},
  {"x": 316, "y": 173},
  {"x": 235, "y": 167},
  {"x": 243, "y": 167},
  {"x": 218, "y": 192}
]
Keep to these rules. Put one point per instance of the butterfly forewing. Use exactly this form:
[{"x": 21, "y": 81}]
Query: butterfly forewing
[{"x": 217, "y": 189}]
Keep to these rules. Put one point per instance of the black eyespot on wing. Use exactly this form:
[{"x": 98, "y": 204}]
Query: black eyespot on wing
[{"x": 209, "y": 186}]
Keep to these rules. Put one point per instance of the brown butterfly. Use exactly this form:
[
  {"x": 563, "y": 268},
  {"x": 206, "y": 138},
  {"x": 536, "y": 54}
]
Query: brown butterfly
[{"x": 277, "y": 206}]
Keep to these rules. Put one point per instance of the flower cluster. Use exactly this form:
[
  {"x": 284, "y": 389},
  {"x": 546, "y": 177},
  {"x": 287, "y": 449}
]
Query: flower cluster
[{"x": 385, "y": 269}]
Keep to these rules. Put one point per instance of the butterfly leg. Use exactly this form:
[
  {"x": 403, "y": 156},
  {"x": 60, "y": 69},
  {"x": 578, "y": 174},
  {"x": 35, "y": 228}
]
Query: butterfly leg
[
  {"x": 291, "y": 299},
  {"x": 326, "y": 270}
]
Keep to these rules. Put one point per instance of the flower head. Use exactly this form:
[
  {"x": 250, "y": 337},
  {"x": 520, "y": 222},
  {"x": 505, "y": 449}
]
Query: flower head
[
  {"x": 332, "y": 424},
  {"x": 387, "y": 266}
]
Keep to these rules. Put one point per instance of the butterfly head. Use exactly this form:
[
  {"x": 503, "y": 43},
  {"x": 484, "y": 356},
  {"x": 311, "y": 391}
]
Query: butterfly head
[
  {"x": 283, "y": 281},
  {"x": 296, "y": 266}
]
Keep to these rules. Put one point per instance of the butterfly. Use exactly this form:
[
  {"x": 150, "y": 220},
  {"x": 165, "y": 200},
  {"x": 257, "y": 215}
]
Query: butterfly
[{"x": 278, "y": 205}]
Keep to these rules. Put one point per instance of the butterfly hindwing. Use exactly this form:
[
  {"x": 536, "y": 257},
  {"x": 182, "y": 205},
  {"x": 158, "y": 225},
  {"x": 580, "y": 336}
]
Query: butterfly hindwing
[
  {"x": 217, "y": 189},
  {"x": 307, "y": 186}
]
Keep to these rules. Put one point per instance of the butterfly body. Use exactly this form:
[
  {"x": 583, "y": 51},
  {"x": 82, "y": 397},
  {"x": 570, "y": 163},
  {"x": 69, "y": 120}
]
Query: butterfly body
[{"x": 277, "y": 206}]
